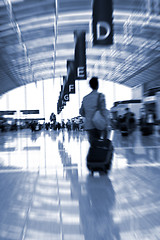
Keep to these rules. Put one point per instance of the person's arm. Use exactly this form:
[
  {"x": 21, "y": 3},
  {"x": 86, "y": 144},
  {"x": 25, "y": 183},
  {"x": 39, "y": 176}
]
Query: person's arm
[
  {"x": 105, "y": 112},
  {"x": 82, "y": 111},
  {"x": 102, "y": 104}
]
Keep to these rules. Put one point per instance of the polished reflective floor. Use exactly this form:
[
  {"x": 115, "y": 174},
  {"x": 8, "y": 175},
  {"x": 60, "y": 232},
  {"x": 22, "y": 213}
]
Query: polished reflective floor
[{"x": 47, "y": 192}]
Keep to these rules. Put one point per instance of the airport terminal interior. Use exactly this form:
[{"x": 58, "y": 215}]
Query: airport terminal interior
[{"x": 47, "y": 192}]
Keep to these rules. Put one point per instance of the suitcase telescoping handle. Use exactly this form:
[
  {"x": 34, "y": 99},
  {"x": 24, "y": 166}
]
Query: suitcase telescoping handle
[{"x": 110, "y": 134}]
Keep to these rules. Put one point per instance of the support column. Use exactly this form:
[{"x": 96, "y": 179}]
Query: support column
[{"x": 7, "y": 101}]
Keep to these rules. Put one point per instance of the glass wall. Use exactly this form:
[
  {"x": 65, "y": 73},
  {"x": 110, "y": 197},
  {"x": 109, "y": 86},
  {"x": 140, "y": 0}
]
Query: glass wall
[{"x": 43, "y": 96}]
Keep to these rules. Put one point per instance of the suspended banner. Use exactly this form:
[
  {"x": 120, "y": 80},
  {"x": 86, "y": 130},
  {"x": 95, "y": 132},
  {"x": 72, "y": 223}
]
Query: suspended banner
[
  {"x": 102, "y": 22},
  {"x": 71, "y": 76},
  {"x": 80, "y": 55},
  {"x": 58, "y": 107},
  {"x": 65, "y": 89},
  {"x": 60, "y": 103},
  {"x": 63, "y": 103}
]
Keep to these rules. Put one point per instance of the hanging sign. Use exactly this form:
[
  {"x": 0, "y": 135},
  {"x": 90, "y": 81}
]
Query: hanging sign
[
  {"x": 80, "y": 55},
  {"x": 65, "y": 89},
  {"x": 102, "y": 22},
  {"x": 71, "y": 76}
]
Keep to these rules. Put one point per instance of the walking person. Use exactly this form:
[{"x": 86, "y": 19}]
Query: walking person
[{"x": 90, "y": 104}]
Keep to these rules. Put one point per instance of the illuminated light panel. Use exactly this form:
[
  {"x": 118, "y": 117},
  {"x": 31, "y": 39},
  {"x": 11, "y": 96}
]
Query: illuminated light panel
[
  {"x": 39, "y": 56},
  {"x": 32, "y": 20},
  {"x": 48, "y": 192},
  {"x": 61, "y": 63},
  {"x": 16, "y": 1},
  {"x": 36, "y": 26},
  {"x": 73, "y": 21},
  {"x": 65, "y": 38},
  {"x": 39, "y": 66},
  {"x": 70, "y": 219},
  {"x": 70, "y": 203},
  {"x": 45, "y": 200},
  {"x": 50, "y": 181},
  {"x": 65, "y": 52},
  {"x": 43, "y": 72},
  {"x": 64, "y": 183},
  {"x": 45, "y": 216},
  {"x": 74, "y": 236},
  {"x": 65, "y": 191},
  {"x": 33, "y": 234},
  {"x": 74, "y": 14}
]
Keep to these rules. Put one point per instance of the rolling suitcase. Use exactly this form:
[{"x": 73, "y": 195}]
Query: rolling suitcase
[
  {"x": 147, "y": 129},
  {"x": 99, "y": 157},
  {"x": 124, "y": 130}
]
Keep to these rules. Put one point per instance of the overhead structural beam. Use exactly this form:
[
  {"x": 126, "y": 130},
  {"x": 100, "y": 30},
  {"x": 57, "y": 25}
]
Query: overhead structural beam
[{"x": 55, "y": 34}]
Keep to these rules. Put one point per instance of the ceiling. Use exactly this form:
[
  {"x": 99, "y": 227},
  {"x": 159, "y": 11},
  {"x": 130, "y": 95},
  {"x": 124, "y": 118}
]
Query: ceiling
[{"x": 36, "y": 40}]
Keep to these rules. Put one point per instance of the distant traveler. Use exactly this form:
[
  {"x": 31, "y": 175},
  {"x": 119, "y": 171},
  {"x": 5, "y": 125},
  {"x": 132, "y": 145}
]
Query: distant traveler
[
  {"x": 89, "y": 106},
  {"x": 150, "y": 119},
  {"x": 132, "y": 122},
  {"x": 127, "y": 116}
]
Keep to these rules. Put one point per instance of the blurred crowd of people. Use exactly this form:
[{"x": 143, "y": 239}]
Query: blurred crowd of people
[
  {"x": 74, "y": 124},
  {"x": 128, "y": 122}
]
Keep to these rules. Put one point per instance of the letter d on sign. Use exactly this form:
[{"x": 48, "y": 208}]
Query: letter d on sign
[
  {"x": 107, "y": 28},
  {"x": 102, "y": 22}
]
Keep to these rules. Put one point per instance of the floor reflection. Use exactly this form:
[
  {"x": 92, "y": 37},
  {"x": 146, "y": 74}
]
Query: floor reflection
[
  {"x": 97, "y": 201},
  {"x": 47, "y": 191},
  {"x": 57, "y": 149}
]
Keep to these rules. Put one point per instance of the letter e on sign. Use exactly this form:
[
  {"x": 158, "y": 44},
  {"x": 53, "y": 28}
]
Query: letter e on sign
[{"x": 80, "y": 72}]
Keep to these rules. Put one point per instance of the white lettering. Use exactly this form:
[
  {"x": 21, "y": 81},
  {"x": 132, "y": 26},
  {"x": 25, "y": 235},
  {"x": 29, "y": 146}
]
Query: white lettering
[
  {"x": 63, "y": 103},
  {"x": 71, "y": 87},
  {"x": 104, "y": 25},
  {"x": 66, "y": 97},
  {"x": 80, "y": 72}
]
